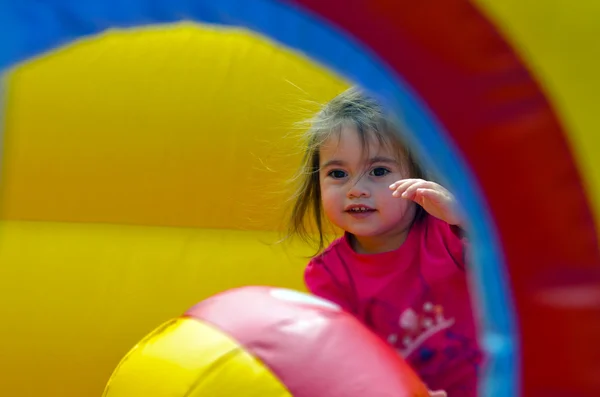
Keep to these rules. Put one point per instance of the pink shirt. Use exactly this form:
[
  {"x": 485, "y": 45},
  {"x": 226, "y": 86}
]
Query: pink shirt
[{"x": 415, "y": 297}]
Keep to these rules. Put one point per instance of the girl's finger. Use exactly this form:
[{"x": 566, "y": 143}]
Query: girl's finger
[
  {"x": 437, "y": 393},
  {"x": 401, "y": 187},
  {"x": 405, "y": 185},
  {"x": 405, "y": 182},
  {"x": 402, "y": 184},
  {"x": 431, "y": 194},
  {"x": 410, "y": 192}
]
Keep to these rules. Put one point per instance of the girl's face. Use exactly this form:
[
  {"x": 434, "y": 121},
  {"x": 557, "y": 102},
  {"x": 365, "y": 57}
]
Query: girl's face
[{"x": 355, "y": 191}]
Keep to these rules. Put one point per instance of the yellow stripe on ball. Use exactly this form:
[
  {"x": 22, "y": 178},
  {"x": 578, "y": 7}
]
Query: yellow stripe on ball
[{"x": 188, "y": 358}]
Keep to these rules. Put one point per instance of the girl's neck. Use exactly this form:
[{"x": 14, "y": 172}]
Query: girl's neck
[
  {"x": 377, "y": 245},
  {"x": 383, "y": 243}
]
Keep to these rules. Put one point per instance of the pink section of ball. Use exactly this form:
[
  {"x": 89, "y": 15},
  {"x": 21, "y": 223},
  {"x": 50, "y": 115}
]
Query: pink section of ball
[{"x": 313, "y": 347}]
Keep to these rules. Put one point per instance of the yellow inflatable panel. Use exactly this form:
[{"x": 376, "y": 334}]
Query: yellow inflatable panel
[
  {"x": 144, "y": 171},
  {"x": 76, "y": 297},
  {"x": 181, "y": 126}
]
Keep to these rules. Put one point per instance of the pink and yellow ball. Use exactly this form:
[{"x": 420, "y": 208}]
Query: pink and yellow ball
[{"x": 263, "y": 342}]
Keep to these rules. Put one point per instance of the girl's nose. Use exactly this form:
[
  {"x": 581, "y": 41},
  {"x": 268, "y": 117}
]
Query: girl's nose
[{"x": 358, "y": 189}]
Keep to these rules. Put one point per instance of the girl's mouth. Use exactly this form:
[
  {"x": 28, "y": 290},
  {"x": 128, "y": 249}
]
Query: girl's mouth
[{"x": 360, "y": 209}]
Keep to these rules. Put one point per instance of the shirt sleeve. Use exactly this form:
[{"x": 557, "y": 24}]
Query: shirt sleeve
[
  {"x": 458, "y": 244},
  {"x": 321, "y": 282}
]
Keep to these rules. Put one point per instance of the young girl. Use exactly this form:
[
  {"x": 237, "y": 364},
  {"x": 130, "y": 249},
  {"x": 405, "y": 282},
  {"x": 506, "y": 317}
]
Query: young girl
[{"x": 400, "y": 265}]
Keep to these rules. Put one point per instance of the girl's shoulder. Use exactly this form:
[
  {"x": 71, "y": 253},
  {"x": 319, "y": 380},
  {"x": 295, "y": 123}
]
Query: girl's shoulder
[
  {"x": 332, "y": 250},
  {"x": 441, "y": 239},
  {"x": 433, "y": 227}
]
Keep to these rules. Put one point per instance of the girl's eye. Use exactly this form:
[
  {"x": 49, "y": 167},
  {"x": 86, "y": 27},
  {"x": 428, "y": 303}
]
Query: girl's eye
[
  {"x": 380, "y": 171},
  {"x": 337, "y": 174}
]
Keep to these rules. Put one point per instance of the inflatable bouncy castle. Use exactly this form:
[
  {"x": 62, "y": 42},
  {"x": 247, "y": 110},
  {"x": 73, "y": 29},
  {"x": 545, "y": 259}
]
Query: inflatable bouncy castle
[{"x": 146, "y": 145}]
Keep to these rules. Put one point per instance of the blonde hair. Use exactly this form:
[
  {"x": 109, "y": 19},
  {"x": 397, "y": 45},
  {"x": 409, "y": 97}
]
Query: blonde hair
[{"x": 350, "y": 108}]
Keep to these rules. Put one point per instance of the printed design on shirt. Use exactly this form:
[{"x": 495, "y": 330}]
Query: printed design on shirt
[{"x": 416, "y": 327}]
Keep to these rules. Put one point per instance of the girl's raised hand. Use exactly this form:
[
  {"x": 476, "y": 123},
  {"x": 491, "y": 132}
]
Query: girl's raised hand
[{"x": 434, "y": 198}]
